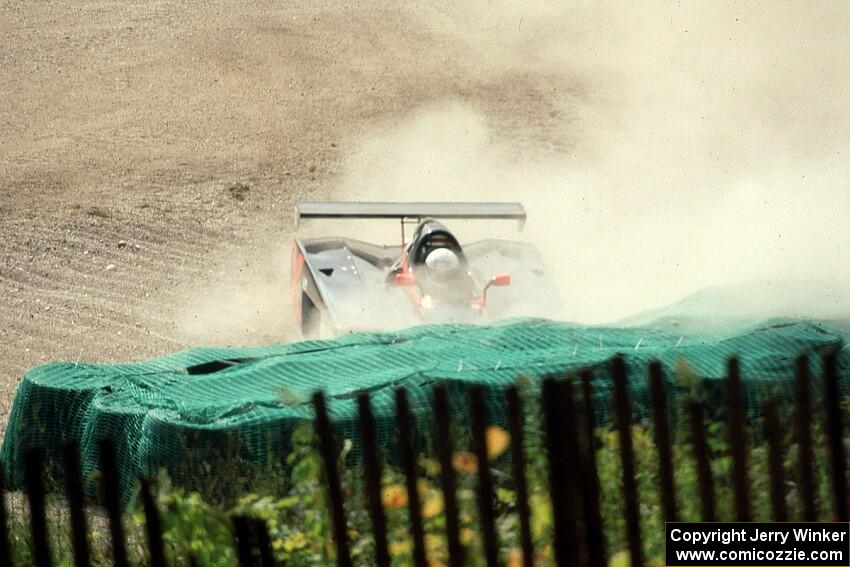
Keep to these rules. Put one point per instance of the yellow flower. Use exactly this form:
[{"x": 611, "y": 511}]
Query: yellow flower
[
  {"x": 400, "y": 547},
  {"x": 433, "y": 505},
  {"x": 394, "y": 496},
  {"x": 431, "y": 466},
  {"x": 497, "y": 441},
  {"x": 620, "y": 559},
  {"x": 467, "y": 536},
  {"x": 433, "y": 544},
  {"x": 296, "y": 540},
  {"x": 465, "y": 462},
  {"x": 541, "y": 513},
  {"x": 515, "y": 558}
]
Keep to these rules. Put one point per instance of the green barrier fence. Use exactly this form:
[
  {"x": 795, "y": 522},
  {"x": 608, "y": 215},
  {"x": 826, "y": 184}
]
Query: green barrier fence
[{"x": 210, "y": 415}]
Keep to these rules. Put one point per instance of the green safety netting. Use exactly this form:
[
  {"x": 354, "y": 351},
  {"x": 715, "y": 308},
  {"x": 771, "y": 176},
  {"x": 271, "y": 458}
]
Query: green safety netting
[{"x": 205, "y": 413}]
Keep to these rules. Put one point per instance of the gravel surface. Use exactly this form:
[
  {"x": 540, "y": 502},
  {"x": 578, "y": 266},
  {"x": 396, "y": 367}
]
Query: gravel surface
[{"x": 151, "y": 153}]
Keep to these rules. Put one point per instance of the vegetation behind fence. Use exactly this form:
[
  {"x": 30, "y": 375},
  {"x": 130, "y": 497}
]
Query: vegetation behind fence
[{"x": 556, "y": 489}]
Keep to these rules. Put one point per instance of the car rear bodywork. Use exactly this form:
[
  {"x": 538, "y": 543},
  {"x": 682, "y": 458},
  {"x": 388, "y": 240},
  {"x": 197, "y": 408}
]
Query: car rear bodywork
[{"x": 341, "y": 285}]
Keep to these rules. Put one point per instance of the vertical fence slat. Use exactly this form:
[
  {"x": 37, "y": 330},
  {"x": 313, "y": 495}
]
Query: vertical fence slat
[
  {"x": 244, "y": 544},
  {"x": 805, "y": 454},
  {"x": 486, "y": 515},
  {"x": 661, "y": 437},
  {"x": 737, "y": 434},
  {"x": 557, "y": 431},
  {"x": 630, "y": 491},
  {"x": 563, "y": 510},
  {"x": 573, "y": 478},
  {"x": 516, "y": 424},
  {"x": 448, "y": 479},
  {"x": 372, "y": 479},
  {"x": 112, "y": 501},
  {"x": 835, "y": 436},
  {"x": 5, "y": 543},
  {"x": 76, "y": 507},
  {"x": 407, "y": 456},
  {"x": 329, "y": 456},
  {"x": 554, "y": 456},
  {"x": 705, "y": 478},
  {"x": 153, "y": 524},
  {"x": 264, "y": 544},
  {"x": 34, "y": 467},
  {"x": 773, "y": 432},
  {"x": 592, "y": 514}
]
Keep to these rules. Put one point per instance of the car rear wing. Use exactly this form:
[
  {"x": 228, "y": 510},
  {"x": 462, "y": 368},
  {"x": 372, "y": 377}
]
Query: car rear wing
[{"x": 410, "y": 211}]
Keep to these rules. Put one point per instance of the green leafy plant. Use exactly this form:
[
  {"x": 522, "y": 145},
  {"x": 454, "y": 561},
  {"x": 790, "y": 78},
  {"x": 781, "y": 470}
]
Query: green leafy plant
[{"x": 292, "y": 505}]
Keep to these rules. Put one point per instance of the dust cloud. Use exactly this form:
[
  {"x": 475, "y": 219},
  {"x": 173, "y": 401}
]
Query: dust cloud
[
  {"x": 663, "y": 152},
  {"x": 700, "y": 146},
  {"x": 244, "y": 302}
]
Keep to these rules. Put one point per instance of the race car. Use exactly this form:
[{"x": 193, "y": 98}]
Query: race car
[{"x": 341, "y": 284}]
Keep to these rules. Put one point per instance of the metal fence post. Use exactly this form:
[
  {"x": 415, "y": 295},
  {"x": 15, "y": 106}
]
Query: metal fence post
[
  {"x": 5, "y": 544},
  {"x": 775, "y": 452},
  {"x": 835, "y": 436},
  {"x": 372, "y": 479},
  {"x": 153, "y": 524},
  {"x": 407, "y": 456},
  {"x": 448, "y": 478},
  {"x": 74, "y": 493},
  {"x": 661, "y": 436},
  {"x": 737, "y": 434},
  {"x": 34, "y": 466},
  {"x": 329, "y": 456},
  {"x": 592, "y": 515},
  {"x": 516, "y": 425},
  {"x": 630, "y": 491},
  {"x": 486, "y": 516},
  {"x": 803, "y": 424},
  {"x": 705, "y": 478}
]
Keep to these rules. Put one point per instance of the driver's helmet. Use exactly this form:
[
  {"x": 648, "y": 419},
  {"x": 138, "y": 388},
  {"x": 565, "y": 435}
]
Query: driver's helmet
[{"x": 442, "y": 262}]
